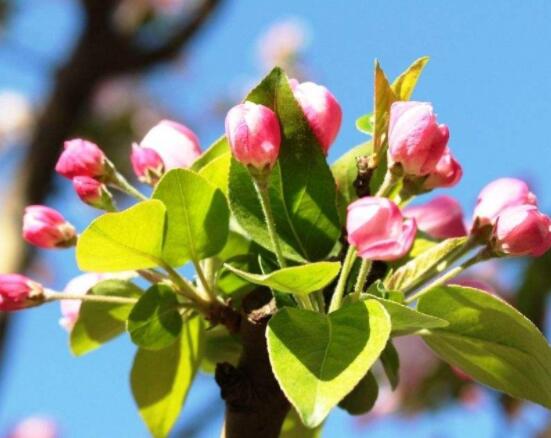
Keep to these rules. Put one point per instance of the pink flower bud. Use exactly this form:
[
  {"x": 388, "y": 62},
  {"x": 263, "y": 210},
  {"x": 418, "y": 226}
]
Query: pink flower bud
[
  {"x": 377, "y": 229},
  {"x": 322, "y": 110},
  {"x": 440, "y": 218},
  {"x": 176, "y": 145},
  {"x": 81, "y": 158},
  {"x": 147, "y": 164},
  {"x": 254, "y": 135},
  {"x": 19, "y": 292},
  {"x": 500, "y": 195},
  {"x": 447, "y": 172},
  {"x": 415, "y": 139},
  {"x": 46, "y": 228},
  {"x": 93, "y": 193},
  {"x": 35, "y": 427},
  {"x": 523, "y": 230}
]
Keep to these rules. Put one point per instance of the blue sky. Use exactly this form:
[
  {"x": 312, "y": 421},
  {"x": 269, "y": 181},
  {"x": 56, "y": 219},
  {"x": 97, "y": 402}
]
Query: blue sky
[{"x": 488, "y": 79}]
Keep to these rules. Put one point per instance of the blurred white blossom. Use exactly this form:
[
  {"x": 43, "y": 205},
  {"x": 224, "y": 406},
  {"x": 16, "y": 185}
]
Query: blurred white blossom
[{"x": 16, "y": 118}]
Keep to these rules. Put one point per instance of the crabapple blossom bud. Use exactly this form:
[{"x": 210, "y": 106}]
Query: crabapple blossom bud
[
  {"x": 47, "y": 228},
  {"x": 147, "y": 164},
  {"x": 500, "y": 195},
  {"x": 522, "y": 231},
  {"x": 440, "y": 218},
  {"x": 377, "y": 229},
  {"x": 81, "y": 158},
  {"x": 93, "y": 192},
  {"x": 35, "y": 427},
  {"x": 176, "y": 145},
  {"x": 447, "y": 172},
  {"x": 322, "y": 110},
  {"x": 415, "y": 139},
  {"x": 19, "y": 292},
  {"x": 254, "y": 135}
]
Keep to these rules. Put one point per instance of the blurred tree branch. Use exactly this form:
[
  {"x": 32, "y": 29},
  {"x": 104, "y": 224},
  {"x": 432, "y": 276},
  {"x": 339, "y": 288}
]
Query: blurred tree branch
[{"x": 101, "y": 53}]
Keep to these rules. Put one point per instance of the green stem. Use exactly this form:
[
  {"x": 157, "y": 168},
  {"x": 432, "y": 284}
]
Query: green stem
[
  {"x": 264, "y": 197},
  {"x": 185, "y": 288},
  {"x": 388, "y": 184},
  {"x": 365, "y": 268},
  {"x": 119, "y": 182},
  {"x": 479, "y": 257},
  {"x": 347, "y": 264},
  {"x": 57, "y": 296},
  {"x": 203, "y": 280}
]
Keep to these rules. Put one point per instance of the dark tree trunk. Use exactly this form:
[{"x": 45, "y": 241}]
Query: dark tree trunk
[{"x": 255, "y": 405}]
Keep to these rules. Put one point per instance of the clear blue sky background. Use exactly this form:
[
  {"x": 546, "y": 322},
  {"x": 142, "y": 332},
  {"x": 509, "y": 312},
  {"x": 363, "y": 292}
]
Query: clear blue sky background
[{"x": 489, "y": 79}]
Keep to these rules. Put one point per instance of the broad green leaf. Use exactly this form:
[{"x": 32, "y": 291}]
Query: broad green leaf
[
  {"x": 217, "y": 172},
  {"x": 220, "y": 346},
  {"x": 406, "y": 320},
  {"x": 236, "y": 245},
  {"x": 318, "y": 359},
  {"x": 491, "y": 341},
  {"x": 161, "y": 379},
  {"x": 98, "y": 323},
  {"x": 197, "y": 217},
  {"x": 383, "y": 99},
  {"x": 125, "y": 241},
  {"x": 300, "y": 280},
  {"x": 363, "y": 397},
  {"x": 293, "y": 427},
  {"x": 219, "y": 147},
  {"x": 415, "y": 270},
  {"x": 391, "y": 364},
  {"x": 302, "y": 189},
  {"x": 404, "y": 84},
  {"x": 155, "y": 321},
  {"x": 364, "y": 124}
]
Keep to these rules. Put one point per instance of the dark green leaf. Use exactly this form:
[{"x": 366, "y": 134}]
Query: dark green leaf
[
  {"x": 98, "y": 323},
  {"x": 363, "y": 397},
  {"x": 302, "y": 189},
  {"x": 491, "y": 341},
  {"x": 155, "y": 321},
  {"x": 220, "y": 346},
  {"x": 391, "y": 364}
]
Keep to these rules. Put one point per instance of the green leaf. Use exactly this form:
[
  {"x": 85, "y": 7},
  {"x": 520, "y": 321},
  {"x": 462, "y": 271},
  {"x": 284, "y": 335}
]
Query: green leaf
[
  {"x": 293, "y": 427},
  {"x": 318, "y": 359},
  {"x": 125, "y": 241},
  {"x": 98, "y": 323},
  {"x": 383, "y": 99},
  {"x": 300, "y": 280},
  {"x": 404, "y": 84},
  {"x": 491, "y": 341},
  {"x": 161, "y": 379},
  {"x": 217, "y": 172},
  {"x": 363, "y": 397},
  {"x": 155, "y": 321},
  {"x": 406, "y": 320},
  {"x": 414, "y": 270},
  {"x": 197, "y": 217},
  {"x": 391, "y": 364},
  {"x": 364, "y": 124},
  {"x": 302, "y": 189},
  {"x": 219, "y": 147}
]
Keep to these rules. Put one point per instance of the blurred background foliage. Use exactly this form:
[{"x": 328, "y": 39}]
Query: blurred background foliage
[{"x": 101, "y": 80}]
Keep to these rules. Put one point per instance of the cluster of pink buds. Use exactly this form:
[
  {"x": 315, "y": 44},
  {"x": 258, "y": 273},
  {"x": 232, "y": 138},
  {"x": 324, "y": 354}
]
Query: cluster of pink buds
[
  {"x": 168, "y": 145},
  {"x": 508, "y": 209},
  {"x": 419, "y": 144},
  {"x": 254, "y": 133}
]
